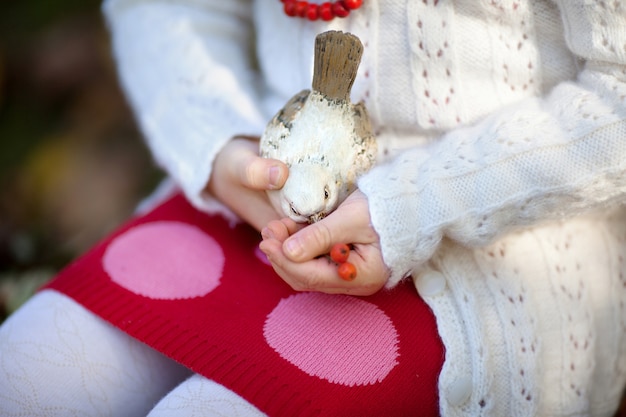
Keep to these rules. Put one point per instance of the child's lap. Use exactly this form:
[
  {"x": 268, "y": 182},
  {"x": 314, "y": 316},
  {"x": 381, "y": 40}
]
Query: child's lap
[{"x": 197, "y": 289}]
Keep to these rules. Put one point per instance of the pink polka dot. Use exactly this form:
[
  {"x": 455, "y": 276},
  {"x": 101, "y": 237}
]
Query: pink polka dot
[
  {"x": 342, "y": 339},
  {"x": 165, "y": 260}
]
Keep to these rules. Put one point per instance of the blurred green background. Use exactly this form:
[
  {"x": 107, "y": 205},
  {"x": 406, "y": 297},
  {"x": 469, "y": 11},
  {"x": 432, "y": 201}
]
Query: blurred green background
[{"x": 72, "y": 164}]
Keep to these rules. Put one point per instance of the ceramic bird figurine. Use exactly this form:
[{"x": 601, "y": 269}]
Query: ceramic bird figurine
[{"x": 326, "y": 141}]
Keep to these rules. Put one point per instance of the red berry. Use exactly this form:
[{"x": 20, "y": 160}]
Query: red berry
[
  {"x": 339, "y": 252},
  {"x": 340, "y": 10},
  {"x": 353, "y": 4},
  {"x": 326, "y": 11},
  {"x": 312, "y": 12},
  {"x": 347, "y": 271}
]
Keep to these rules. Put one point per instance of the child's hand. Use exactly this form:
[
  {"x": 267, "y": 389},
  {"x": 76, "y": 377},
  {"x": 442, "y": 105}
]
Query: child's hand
[
  {"x": 296, "y": 251},
  {"x": 240, "y": 177}
]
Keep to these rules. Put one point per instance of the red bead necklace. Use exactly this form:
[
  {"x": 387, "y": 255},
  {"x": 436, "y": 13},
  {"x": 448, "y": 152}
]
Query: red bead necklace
[{"x": 325, "y": 11}]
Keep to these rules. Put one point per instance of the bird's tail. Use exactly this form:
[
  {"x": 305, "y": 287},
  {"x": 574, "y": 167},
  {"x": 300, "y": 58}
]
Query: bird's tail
[{"x": 337, "y": 58}]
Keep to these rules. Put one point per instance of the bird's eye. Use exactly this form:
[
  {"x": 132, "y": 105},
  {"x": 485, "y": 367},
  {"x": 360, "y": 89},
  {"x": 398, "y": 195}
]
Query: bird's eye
[{"x": 326, "y": 195}]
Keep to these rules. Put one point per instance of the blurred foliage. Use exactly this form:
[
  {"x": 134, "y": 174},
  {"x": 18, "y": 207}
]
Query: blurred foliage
[{"x": 72, "y": 164}]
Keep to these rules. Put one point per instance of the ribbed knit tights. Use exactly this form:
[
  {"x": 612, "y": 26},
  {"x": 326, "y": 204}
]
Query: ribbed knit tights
[{"x": 58, "y": 359}]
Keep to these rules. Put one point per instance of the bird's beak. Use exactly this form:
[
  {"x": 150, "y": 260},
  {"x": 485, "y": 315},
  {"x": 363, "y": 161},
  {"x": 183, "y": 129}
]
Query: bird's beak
[{"x": 316, "y": 217}]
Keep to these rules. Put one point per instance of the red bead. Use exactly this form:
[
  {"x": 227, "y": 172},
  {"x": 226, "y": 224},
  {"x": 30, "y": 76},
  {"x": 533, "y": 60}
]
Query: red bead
[
  {"x": 312, "y": 12},
  {"x": 290, "y": 8},
  {"x": 326, "y": 11},
  {"x": 301, "y": 7},
  {"x": 340, "y": 10},
  {"x": 353, "y": 4}
]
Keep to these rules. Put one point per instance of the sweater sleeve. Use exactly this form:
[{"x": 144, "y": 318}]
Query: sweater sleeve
[
  {"x": 187, "y": 71},
  {"x": 540, "y": 159}
]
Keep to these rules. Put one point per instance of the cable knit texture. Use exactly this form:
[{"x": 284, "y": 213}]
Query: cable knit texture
[{"x": 501, "y": 126}]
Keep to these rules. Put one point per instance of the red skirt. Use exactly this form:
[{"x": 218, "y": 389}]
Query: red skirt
[{"x": 196, "y": 288}]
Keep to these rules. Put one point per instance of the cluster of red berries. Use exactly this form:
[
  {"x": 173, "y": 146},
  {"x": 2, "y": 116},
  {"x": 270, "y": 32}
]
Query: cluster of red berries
[
  {"x": 325, "y": 11},
  {"x": 339, "y": 253}
]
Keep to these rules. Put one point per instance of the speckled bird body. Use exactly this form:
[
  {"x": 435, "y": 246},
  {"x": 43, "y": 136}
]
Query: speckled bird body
[{"x": 326, "y": 141}]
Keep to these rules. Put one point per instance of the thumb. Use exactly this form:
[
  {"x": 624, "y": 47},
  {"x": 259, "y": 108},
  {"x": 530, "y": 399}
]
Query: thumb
[
  {"x": 309, "y": 242},
  {"x": 350, "y": 223},
  {"x": 256, "y": 172},
  {"x": 263, "y": 174}
]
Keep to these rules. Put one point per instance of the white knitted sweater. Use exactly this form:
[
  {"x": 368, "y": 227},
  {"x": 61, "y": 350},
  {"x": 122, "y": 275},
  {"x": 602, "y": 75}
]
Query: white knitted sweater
[{"x": 502, "y": 129}]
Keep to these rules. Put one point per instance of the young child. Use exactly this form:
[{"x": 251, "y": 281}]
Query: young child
[{"x": 489, "y": 240}]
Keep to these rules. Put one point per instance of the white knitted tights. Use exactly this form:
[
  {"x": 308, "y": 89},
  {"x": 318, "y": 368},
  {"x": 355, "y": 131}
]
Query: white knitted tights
[{"x": 58, "y": 359}]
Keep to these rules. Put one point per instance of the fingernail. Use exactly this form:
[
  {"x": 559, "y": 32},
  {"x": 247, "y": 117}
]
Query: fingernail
[
  {"x": 266, "y": 233},
  {"x": 275, "y": 176},
  {"x": 293, "y": 248}
]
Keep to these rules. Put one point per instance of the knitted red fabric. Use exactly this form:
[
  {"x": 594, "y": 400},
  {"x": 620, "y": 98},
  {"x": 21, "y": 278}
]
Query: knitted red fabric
[{"x": 197, "y": 289}]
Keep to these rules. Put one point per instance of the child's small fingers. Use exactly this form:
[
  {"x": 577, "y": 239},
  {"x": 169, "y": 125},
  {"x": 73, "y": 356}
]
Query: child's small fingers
[
  {"x": 322, "y": 275},
  {"x": 350, "y": 223},
  {"x": 263, "y": 174},
  {"x": 292, "y": 226},
  {"x": 275, "y": 230},
  {"x": 251, "y": 170}
]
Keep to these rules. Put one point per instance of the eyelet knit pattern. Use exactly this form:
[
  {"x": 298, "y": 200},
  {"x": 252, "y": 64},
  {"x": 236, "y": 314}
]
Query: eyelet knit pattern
[
  {"x": 432, "y": 63},
  {"x": 536, "y": 308}
]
